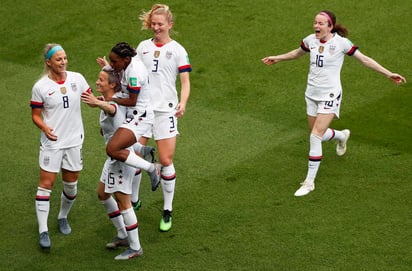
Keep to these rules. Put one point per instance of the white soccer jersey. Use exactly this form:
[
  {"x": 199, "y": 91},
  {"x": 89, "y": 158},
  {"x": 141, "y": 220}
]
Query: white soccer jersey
[
  {"x": 116, "y": 175},
  {"x": 326, "y": 60},
  {"x": 61, "y": 109},
  {"x": 109, "y": 124},
  {"x": 163, "y": 63},
  {"x": 135, "y": 80}
]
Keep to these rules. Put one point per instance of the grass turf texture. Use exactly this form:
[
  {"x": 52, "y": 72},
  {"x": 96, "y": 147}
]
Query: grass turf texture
[{"x": 244, "y": 142}]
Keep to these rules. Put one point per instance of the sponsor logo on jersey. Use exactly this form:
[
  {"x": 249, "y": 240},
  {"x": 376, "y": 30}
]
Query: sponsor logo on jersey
[
  {"x": 51, "y": 93},
  {"x": 156, "y": 54},
  {"x": 145, "y": 52}
]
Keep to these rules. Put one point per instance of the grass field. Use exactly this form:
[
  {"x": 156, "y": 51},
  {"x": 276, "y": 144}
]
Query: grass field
[{"x": 243, "y": 145}]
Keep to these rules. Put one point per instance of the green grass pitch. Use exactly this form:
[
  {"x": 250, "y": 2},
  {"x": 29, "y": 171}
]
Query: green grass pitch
[{"x": 243, "y": 145}]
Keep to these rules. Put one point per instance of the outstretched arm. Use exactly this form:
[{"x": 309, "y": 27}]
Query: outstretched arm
[
  {"x": 294, "y": 54},
  {"x": 372, "y": 64}
]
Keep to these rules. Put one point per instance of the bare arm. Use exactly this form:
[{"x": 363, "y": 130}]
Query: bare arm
[
  {"x": 94, "y": 101},
  {"x": 294, "y": 54},
  {"x": 38, "y": 121},
  {"x": 372, "y": 64},
  {"x": 131, "y": 101},
  {"x": 184, "y": 94}
]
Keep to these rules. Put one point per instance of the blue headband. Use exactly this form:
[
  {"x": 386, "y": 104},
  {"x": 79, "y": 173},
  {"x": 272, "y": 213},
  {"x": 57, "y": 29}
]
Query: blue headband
[{"x": 53, "y": 50}]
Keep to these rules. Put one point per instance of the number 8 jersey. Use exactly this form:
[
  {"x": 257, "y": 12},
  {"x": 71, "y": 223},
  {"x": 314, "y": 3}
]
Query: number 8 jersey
[
  {"x": 326, "y": 60},
  {"x": 61, "y": 109}
]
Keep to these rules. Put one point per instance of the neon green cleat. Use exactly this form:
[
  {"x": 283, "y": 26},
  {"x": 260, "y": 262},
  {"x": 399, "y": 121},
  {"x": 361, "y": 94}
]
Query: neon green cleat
[
  {"x": 137, "y": 205},
  {"x": 166, "y": 221}
]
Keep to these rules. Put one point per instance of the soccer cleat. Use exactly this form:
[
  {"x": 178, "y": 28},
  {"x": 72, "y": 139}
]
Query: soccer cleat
[
  {"x": 118, "y": 242},
  {"x": 64, "y": 226},
  {"x": 341, "y": 146},
  {"x": 148, "y": 154},
  {"x": 137, "y": 205},
  {"x": 155, "y": 176},
  {"x": 129, "y": 254},
  {"x": 166, "y": 221},
  {"x": 306, "y": 188},
  {"x": 45, "y": 242}
]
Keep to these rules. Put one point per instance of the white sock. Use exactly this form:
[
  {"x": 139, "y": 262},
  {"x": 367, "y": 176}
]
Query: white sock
[
  {"x": 67, "y": 198},
  {"x": 134, "y": 197},
  {"x": 332, "y": 134},
  {"x": 136, "y": 161},
  {"x": 115, "y": 216},
  {"x": 315, "y": 157},
  {"x": 138, "y": 147},
  {"x": 132, "y": 227},
  {"x": 168, "y": 186},
  {"x": 42, "y": 205}
]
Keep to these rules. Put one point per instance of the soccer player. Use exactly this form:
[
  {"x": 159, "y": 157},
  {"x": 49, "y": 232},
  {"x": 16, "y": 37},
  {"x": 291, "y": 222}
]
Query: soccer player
[
  {"x": 116, "y": 177},
  {"x": 56, "y": 111},
  {"x": 327, "y": 48},
  {"x": 134, "y": 95},
  {"x": 165, "y": 59}
]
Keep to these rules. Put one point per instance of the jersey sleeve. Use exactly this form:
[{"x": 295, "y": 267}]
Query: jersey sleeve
[
  {"x": 350, "y": 48},
  {"x": 84, "y": 85},
  {"x": 36, "y": 98},
  {"x": 183, "y": 61},
  {"x": 305, "y": 43}
]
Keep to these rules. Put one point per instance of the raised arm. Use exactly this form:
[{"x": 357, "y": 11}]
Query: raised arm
[
  {"x": 372, "y": 64},
  {"x": 294, "y": 54}
]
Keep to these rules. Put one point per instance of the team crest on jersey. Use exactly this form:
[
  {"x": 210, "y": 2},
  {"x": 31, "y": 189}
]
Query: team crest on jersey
[
  {"x": 332, "y": 49},
  {"x": 169, "y": 55},
  {"x": 74, "y": 87},
  {"x": 46, "y": 161},
  {"x": 156, "y": 54},
  {"x": 321, "y": 49},
  {"x": 63, "y": 90}
]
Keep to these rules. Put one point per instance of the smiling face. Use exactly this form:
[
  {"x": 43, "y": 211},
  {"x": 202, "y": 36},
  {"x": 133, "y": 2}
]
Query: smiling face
[
  {"x": 322, "y": 27},
  {"x": 161, "y": 27},
  {"x": 58, "y": 62},
  {"x": 102, "y": 83}
]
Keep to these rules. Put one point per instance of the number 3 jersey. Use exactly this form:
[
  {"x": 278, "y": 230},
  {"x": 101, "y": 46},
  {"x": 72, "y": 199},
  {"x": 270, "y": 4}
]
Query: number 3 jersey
[
  {"x": 61, "y": 108},
  {"x": 163, "y": 63},
  {"x": 326, "y": 60}
]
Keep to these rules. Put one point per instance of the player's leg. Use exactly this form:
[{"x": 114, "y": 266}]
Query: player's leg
[
  {"x": 42, "y": 204},
  {"x": 166, "y": 149},
  {"x": 72, "y": 164},
  {"x": 132, "y": 227},
  {"x": 318, "y": 125},
  {"x": 115, "y": 216}
]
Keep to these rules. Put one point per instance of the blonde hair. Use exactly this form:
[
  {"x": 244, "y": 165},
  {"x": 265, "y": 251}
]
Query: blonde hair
[
  {"x": 46, "y": 49},
  {"x": 157, "y": 9}
]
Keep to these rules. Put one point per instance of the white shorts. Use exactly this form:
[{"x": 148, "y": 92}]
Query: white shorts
[
  {"x": 117, "y": 177},
  {"x": 52, "y": 160},
  {"x": 139, "y": 125},
  {"x": 313, "y": 108},
  {"x": 164, "y": 126}
]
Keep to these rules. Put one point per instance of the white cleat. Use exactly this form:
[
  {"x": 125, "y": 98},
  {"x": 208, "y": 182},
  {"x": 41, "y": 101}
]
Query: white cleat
[
  {"x": 306, "y": 188},
  {"x": 341, "y": 146}
]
